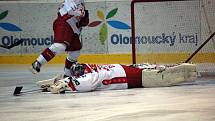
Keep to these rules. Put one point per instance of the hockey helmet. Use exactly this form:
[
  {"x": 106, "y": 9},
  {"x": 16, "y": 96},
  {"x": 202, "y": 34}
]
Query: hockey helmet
[{"x": 77, "y": 69}]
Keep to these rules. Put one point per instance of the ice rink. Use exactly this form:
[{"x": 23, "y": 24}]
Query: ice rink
[{"x": 190, "y": 102}]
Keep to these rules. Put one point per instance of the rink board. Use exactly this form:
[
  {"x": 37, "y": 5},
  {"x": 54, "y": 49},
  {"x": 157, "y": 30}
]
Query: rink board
[{"x": 113, "y": 58}]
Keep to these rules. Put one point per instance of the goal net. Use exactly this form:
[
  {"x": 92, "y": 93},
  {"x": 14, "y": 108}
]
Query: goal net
[{"x": 166, "y": 32}]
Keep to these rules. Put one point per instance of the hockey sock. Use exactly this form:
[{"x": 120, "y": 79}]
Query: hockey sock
[
  {"x": 45, "y": 56},
  {"x": 68, "y": 65}
]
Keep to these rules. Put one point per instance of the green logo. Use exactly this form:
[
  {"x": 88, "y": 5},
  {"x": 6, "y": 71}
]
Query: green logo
[{"x": 105, "y": 21}]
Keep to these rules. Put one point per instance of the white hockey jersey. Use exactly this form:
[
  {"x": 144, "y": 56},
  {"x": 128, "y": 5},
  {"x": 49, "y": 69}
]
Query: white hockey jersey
[{"x": 100, "y": 77}]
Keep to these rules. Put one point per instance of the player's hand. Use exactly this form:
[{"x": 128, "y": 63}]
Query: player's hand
[{"x": 58, "y": 87}]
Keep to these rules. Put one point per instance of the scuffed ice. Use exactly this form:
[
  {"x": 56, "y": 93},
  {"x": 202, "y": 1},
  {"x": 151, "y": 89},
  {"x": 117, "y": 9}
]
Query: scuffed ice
[{"x": 189, "y": 101}]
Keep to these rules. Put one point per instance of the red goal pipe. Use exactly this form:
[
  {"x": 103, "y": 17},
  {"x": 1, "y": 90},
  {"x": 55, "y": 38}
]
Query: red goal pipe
[{"x": 133, "y": 24}]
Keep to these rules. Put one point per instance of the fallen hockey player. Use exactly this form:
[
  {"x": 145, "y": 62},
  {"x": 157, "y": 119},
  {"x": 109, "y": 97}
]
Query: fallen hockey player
[{"x": 92, "y": 77}]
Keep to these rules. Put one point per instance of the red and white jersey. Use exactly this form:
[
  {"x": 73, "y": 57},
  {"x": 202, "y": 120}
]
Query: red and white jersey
[
  {"x": 75, "y": 8},
  {"x": 100, "y": 77}
]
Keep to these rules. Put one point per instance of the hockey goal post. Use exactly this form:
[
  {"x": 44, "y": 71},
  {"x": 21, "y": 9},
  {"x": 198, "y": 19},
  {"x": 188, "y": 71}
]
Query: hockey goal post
[
  {"x": 153, "y": 21},
  {"x": 133, "y": 23},
  {"x": 170, "y": 31}
]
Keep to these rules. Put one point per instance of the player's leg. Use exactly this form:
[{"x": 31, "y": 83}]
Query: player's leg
[
  {"x": 62, "y": 36},
  {"x": 70, "y": 60},
  {"x": 73, "y": 53},
  {"x": 134, "y": 76},
  {"x": 171, "y": 75},
  {"x": 47, "y": 55}
]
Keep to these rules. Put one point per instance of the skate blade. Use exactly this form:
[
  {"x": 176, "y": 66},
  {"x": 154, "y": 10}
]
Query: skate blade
[{"x": 32, "y": 70}]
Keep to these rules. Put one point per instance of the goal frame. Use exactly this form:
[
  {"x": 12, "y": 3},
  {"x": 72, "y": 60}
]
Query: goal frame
[{"x": 133, "y": 24}]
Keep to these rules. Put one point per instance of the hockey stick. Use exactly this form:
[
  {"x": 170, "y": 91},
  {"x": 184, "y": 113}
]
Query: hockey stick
[
  {"x": 203, "y": 44},
  {"x": 12, "y": 45},
  {"x": 18, "y": 91}
]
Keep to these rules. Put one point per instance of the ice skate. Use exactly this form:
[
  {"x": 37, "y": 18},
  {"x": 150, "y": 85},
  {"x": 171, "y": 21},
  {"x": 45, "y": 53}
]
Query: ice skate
[{"x": 35, "y": 67}]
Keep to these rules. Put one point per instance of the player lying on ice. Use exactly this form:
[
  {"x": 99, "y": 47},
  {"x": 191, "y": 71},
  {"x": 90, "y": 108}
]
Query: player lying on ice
[{"x": 92, "y": 77}]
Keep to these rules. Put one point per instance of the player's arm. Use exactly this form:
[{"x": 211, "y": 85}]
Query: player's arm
[
  {"x": 67, "y": 6},
  {"x": 78, "y": 10},
  {"x": 70, "y": 5},
  {"x": 85, "y": 83},
  {"x": 84, "y": 21}
]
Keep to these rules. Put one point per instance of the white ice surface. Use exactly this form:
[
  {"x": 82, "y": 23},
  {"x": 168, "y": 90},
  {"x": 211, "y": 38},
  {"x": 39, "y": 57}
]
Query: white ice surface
[{"x": 194, "y": 102}]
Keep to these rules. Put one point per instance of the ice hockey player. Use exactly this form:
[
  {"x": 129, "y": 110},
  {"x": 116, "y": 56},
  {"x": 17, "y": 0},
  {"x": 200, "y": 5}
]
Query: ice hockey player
[
  {"x": 91, "y": 77},
  {"x": 72, "y": 16}
]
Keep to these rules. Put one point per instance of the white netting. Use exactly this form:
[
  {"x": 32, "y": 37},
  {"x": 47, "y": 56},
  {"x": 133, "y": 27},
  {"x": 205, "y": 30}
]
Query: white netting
[{"x": 170, "y": 31}]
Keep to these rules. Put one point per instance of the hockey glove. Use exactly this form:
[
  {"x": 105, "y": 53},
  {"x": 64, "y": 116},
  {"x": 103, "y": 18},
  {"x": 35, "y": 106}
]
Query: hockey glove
[{"x": 59, "y": 87}]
